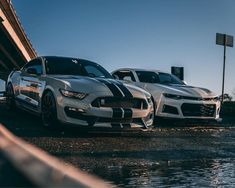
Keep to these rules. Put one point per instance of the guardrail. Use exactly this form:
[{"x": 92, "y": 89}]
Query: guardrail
[{"x": 42, "y": 169}]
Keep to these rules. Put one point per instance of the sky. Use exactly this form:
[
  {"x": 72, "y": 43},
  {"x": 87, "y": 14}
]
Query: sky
[{"x": 155, "y": 34}]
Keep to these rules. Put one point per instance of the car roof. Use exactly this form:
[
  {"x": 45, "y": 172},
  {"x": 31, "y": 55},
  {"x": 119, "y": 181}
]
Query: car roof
[
  {"x": 62, "y": 57},
  {"x": 49, "y": 57},
  {"x": 140, "y": 69}
]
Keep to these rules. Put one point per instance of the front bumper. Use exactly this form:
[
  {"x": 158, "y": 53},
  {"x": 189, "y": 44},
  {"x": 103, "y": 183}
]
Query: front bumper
[
  {"x": 81, "y": 112},
  {"x": 187, "y": 109}
]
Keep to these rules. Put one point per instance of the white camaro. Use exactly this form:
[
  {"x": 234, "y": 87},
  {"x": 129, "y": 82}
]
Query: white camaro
[
  {"x": 172, "y": 97},
  {"x": 77, "y": 91}
]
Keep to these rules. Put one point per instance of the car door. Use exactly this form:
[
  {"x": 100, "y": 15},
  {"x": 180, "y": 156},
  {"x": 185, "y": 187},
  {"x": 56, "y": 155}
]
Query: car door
[{"x": 31, "y": 84}]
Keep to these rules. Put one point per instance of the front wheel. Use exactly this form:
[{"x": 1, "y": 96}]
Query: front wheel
[
  {"x": 49, "y": 112},
  {"x": 149, "y": 119}
]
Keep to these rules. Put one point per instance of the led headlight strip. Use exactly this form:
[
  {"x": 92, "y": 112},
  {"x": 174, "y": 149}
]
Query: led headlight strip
[{"x": 73, "y": 94}]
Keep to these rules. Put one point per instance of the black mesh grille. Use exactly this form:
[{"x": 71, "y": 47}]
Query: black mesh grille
[
  {"x": 170, "y": 109},
  {"x": 114, "y": 102},
  {"x": 198, "y": 110}
]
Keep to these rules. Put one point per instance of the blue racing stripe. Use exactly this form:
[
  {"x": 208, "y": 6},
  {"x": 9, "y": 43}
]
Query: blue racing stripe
[
  {"x": 123, "y": 88},
  {"x": 112, "y": 87},
  {"x": 117, "y": 112},
  {"x": 127, "y": 113}
]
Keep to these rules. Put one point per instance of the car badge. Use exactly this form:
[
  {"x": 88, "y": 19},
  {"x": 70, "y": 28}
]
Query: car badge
[{"x": 74, "y": 61}]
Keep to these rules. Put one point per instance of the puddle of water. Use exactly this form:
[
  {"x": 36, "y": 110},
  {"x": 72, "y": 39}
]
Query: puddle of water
[{"x": 195, "y": 173}]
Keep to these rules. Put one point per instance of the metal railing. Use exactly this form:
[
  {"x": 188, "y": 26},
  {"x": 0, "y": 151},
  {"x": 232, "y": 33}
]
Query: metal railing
[{"x": 42, "y": 169}]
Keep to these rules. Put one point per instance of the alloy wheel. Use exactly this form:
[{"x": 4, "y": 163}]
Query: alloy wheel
[{"x": 49, "y": 117}]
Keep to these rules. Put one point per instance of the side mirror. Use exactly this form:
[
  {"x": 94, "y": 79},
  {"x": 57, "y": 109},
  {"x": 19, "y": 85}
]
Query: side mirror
[
  {"x": 32, "y": 71},
  {"x": 185, "y": 82}
]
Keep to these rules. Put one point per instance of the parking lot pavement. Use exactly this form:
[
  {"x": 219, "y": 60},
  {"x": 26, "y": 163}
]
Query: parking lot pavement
[{"x": 112, "y": 153}]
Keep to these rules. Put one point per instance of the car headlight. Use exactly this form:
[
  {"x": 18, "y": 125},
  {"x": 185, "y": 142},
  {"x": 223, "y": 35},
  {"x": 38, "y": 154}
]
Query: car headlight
[
  {"x": 215, "y": 99},
  {"x": 171, "y": 96},
  {"x": 73, "y": 94}
]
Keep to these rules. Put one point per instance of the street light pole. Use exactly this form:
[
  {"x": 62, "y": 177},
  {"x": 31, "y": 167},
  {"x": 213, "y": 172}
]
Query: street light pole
[{"x": 225, "y": 42}]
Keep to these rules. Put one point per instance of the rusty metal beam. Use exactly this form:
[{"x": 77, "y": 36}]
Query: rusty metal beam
[
  {"x": 12, "y": 24},
  {"x": 41, "y": 169}
]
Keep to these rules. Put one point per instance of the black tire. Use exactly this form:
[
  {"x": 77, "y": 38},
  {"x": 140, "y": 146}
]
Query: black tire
[
  {"x": 10, "y": 97},
  {"x": 49, "y": 112}
]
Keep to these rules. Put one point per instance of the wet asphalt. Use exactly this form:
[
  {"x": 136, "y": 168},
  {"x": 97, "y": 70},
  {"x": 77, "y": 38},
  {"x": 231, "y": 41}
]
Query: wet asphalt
[{"x": 170, "y": 154}]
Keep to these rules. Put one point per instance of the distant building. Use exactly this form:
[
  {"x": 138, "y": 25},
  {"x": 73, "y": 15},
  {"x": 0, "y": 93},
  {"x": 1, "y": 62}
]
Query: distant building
[{"x": 227, "y": 97}]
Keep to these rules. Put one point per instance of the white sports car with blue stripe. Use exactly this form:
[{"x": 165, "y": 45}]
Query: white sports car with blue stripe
[{"x": 77, "y": 91}]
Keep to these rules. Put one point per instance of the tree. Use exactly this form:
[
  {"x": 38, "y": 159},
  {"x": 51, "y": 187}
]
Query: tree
[
  {"x": 227, "y": 97},
  {"x": 233, "y": 93}
]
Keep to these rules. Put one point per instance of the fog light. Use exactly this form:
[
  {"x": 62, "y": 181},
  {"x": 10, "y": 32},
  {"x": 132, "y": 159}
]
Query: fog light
[
  {"x": 76, "y": 109},
  {"x": 170, "y": 110}
]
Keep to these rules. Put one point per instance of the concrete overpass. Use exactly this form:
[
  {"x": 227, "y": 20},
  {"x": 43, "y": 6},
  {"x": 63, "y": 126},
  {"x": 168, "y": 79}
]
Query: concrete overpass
[{"x": 15, "y": 47}]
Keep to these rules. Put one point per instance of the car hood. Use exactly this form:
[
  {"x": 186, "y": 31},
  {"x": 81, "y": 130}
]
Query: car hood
[
  {"x": 185, "y": 90},
  {"x": 92, "y": 85}
]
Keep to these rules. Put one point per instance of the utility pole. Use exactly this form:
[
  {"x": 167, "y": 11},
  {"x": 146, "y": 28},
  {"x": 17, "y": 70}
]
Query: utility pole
[{"x": 225, "y": 40}]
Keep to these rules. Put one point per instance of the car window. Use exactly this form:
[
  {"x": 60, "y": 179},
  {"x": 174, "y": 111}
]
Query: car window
[
  {"x": 166, "y": 78},
  {"x": 63, "y": 66},
  {"x": 36, "y": 64},
  {"x": 72, "y": 66},
  {"x": 93, "y": 71},
  {"x": 162, "y": 78},
  {"x": 147, "y": 76},
  {"x": 124, "y": 75}
]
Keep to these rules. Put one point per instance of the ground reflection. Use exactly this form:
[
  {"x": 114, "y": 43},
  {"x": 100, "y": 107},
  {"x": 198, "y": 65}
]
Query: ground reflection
[{"x": 190, "y": 173}]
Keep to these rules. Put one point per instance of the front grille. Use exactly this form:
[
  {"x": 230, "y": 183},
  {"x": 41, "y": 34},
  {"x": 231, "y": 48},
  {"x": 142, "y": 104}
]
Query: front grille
[
  {"x": 93, "y": 119},
  {"x": 114, "y": 102},
  {"x": 198, "y": 110},
  {"x": 199, "y": 98}
]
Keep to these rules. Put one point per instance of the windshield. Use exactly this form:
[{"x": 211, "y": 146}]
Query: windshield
[
  {"x": 73, "y": 66},
  {"x": 160, "y": 78},
  {"x": 166, "y": 78}
]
